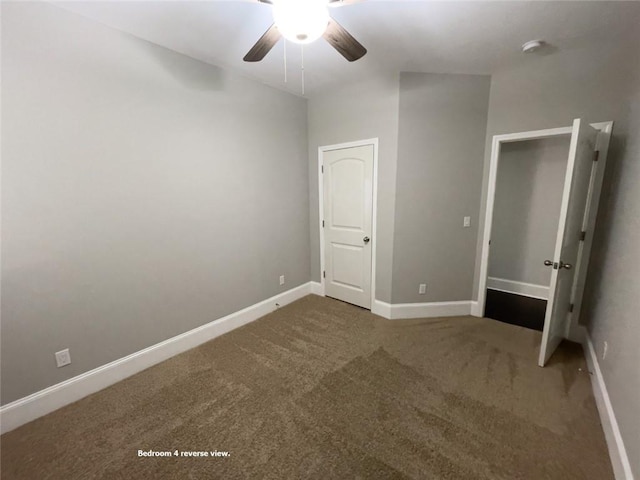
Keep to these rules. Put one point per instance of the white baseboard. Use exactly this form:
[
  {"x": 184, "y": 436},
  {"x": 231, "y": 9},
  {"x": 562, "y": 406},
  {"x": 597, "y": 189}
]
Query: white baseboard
[
  {"x": 398, "y": 311},
  {"x": 475, "y": 309},
  {"x": 316, "y": 288},
  {"x": 382, "y": 309},
  {"x": 617, "y": 450},
  {"x": 519, "y": 288},
  {"x": 26, "y": 409}
]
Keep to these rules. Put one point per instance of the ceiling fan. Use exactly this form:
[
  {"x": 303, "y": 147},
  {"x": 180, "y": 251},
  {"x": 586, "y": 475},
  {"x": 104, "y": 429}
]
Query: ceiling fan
[{"x": 304, "y": 21}]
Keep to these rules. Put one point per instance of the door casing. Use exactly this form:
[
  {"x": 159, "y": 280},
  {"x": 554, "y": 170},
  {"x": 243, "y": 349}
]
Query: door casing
[{"x": 374, "y": 212}]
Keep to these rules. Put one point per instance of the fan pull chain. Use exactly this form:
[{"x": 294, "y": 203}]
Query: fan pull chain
[
  {"x": 285, "y": 60},
  {"x": 302, "y": 66}
]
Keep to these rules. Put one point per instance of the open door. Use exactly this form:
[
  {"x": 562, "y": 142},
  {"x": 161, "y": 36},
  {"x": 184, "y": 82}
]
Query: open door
[{"x": 572, "y": 215}]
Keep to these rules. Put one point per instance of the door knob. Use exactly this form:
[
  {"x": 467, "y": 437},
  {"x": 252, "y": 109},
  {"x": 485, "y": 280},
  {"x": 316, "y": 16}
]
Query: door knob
[
  {"x": 548, "y": 263},
  {"x": 565, "y": 265},
  {"x": 366, "y": 239}
]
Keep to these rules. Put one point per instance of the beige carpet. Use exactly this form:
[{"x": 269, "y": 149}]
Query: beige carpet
[{"x": 321, "y": 389}]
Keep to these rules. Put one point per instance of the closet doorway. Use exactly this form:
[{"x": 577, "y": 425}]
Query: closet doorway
[
  {"x": 544, "y": 188},
  {"x": 526, "y": 213}
]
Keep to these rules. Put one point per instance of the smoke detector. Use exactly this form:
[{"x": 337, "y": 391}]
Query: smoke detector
[{"x": 532, "y": 45}]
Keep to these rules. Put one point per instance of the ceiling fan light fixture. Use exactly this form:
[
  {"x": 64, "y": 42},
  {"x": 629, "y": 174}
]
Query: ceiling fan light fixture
[{"x": 301, "y": 21}]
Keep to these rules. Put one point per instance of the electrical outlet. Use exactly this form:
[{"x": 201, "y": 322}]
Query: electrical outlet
[
  {"x": 281, "y": 279},
  {"x": 63, "y": 357},
  {"x": 466, "y": 222},
  {"x": 422, "y": 289},
  {"x": 604, "y": 350}
]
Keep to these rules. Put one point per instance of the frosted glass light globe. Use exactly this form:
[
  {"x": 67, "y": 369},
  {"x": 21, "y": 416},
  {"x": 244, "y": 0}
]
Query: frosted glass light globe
[{"x": 301, "y": 21}]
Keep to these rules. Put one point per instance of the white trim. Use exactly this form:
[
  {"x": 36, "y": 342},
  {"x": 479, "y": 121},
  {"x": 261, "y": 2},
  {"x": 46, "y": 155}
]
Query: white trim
[
  {"x": 519, "y": 288},
  {"x": 496, "y": 143},
  {"x": 316, "y": 288},
  {"x": 488, "y": 222},
  {"x": 374, "y": 211},
  {"x": 26, "y": 409},
  {"x": 602, "y": 145},
  {"x": 401, "y": 311},
  {"x": 533, "y": 134},
  {"x": 617, "y": 451},
  {"x": 475, "y": 309},
  {"x": 381, "y": 308},
  {"x": 432, "y": 309}
]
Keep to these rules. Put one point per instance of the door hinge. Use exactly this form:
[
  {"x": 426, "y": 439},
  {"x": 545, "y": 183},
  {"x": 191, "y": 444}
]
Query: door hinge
[
  {"x": 322, "y": 223},
  {"x": 571, "y": 307},
  {"x": 321, "y": 168},
  {"x": 596, "y": 155},
  {"x": 583, "y": 235},
  {"x": 324, "y": 274}
]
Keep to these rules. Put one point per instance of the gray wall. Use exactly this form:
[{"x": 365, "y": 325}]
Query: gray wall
[
  {"x": 594, "y": 83},
  {"x": 526, "y": 211},
  {"x": 547, "y": 91},
  {"x": 357, "y": 112},
  {"x": 143, "y": 194},
  {"x": 613, "y": 288},
  {"x": 440, "y": 149}
]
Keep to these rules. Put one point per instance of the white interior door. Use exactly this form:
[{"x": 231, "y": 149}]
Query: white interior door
[
  {"x": 572, "y": 215},
  {"x": 348, "y": 206}
]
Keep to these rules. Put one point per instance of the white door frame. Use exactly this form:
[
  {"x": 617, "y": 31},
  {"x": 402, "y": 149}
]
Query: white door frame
[
  {"x": 593, "y": 201},
  {"x": 602, "y": 145},
  {"x": 374, "y": 212}
]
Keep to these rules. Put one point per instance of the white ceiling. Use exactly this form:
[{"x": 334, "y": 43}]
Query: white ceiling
[{"x": 412, "y": 35}]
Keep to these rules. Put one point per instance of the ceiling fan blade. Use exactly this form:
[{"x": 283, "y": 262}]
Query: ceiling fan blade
[
  {"x": 339, "y": 3},
  {"x": 263, "y": 45},
  {"x": 343, "y": 42}
]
